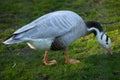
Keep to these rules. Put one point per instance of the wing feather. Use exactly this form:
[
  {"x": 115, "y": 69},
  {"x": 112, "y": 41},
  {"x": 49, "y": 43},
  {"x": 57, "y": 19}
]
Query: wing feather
[{"x": 50, "y": 25}]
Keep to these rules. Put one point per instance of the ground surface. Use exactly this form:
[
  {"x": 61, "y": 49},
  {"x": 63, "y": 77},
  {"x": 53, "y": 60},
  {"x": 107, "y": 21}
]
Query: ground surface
[{"x": 19, "y": 62}]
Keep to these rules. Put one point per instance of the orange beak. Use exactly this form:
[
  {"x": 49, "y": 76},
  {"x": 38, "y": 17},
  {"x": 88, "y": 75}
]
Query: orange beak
[{"x": 110, "y": 51}]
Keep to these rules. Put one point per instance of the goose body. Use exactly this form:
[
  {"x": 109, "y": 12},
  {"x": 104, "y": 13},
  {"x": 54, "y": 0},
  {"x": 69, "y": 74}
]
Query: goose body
[{"x": 56, "y": 31}]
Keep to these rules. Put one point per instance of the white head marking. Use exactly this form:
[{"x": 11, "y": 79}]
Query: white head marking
[{"x": 104, "y": 40}]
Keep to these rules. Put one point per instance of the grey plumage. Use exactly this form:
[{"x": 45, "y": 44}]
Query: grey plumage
[
  {"x": 59, "y": 28},
  {"x": 56, "y": 31}
]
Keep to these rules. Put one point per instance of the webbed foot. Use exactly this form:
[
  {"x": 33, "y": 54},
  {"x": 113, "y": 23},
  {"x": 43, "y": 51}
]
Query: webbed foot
[
  {"x": 72, "y": 61},
  {"x": 52, "y": 62}
]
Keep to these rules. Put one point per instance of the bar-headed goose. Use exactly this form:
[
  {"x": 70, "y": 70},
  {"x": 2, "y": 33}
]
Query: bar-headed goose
[{"x": 56, "y": 31}]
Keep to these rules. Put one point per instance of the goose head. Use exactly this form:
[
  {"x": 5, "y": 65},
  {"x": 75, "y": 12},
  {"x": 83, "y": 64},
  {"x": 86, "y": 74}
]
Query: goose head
[{"x": 103, "y": 39}]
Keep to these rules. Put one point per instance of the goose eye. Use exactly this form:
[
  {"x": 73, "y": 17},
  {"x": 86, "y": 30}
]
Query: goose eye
[{"x": 107, "y": 43}]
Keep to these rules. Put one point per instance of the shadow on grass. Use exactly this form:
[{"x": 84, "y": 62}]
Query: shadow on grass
[{"x": 29, "y": 66}]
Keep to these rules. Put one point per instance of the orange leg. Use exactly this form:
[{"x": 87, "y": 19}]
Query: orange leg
[
  {"x": 68, "y": 60},
  {"x": 46, "y": 62},
  {"x": 66, "y": 57}
]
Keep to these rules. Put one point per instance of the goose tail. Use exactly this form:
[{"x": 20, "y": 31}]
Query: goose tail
[{"x": 12, "y": 40}]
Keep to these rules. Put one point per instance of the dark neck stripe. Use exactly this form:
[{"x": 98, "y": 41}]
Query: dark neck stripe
[
  {"x": 91, "y": 24},
  {"x": 95, "y": 24}
]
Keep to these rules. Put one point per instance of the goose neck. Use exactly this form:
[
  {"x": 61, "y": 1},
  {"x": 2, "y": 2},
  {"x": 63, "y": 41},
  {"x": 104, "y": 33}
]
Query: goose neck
[{"x": 96, "y": 31}]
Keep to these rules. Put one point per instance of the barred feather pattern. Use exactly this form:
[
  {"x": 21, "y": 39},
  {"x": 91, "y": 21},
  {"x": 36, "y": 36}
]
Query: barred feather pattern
[{"x": 63, "y": 27}]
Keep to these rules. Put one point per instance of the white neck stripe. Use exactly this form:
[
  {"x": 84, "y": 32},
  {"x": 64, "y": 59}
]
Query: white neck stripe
[{"x": 91, "y": 29}]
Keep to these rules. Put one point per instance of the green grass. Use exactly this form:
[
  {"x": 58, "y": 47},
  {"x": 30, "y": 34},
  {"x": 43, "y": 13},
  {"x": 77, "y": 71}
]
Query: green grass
[{"x": 18, "y": 62}]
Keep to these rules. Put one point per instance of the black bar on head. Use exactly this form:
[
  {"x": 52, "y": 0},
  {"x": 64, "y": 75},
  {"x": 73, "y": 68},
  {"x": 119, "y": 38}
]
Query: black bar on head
[
  {"x": 102, "y": 36},
  {"x": 107, "y": 38}
]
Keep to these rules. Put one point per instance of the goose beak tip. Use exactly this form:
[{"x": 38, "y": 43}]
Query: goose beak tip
[{"x": 110, "y": 51}]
